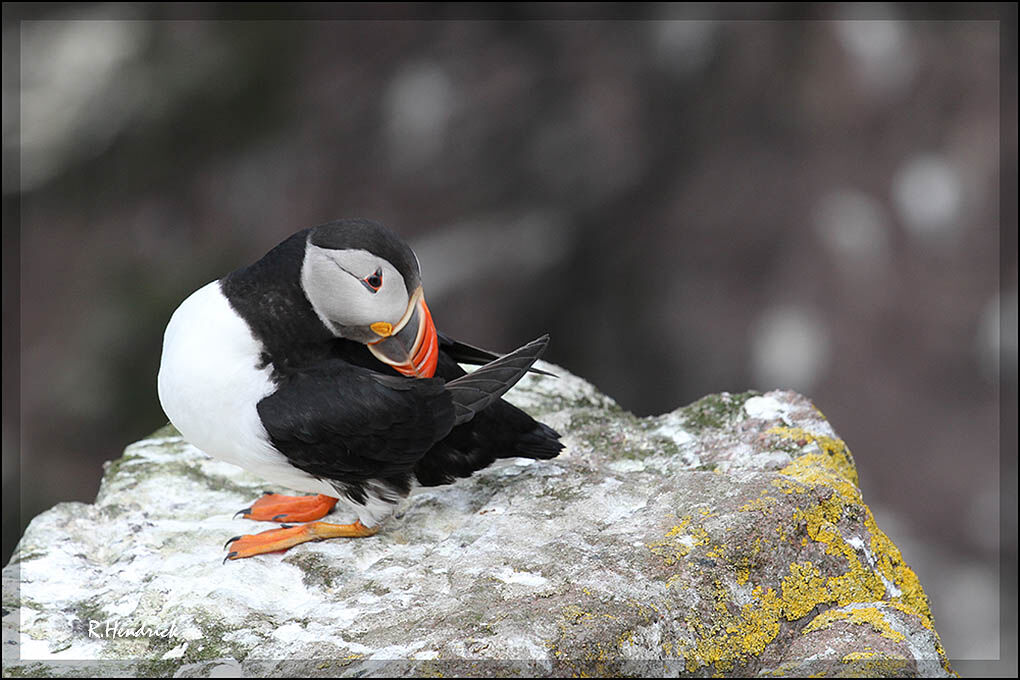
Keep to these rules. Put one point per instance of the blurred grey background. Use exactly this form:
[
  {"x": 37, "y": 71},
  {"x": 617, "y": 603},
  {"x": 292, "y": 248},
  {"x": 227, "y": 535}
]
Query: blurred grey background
[{"x": 687, "y": 206}]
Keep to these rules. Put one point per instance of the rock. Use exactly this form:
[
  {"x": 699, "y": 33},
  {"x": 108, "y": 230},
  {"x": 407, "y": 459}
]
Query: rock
[{"x": 728, "y": 536}]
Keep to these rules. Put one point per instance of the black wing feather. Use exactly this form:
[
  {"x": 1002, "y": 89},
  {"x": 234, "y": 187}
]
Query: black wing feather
[
  {"x": 345, "y": 423},
  {"x": 476, "y": 391},
  {"x": 463, "y": 353}
]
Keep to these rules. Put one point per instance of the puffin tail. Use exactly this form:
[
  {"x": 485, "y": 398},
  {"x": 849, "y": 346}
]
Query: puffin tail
[
  {"x": 542, "y": 443},
  {"x": 497, "y": 428}
]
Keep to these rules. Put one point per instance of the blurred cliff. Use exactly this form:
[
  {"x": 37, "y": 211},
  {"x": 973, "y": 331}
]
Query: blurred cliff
[{"x": 686, "y": 206}]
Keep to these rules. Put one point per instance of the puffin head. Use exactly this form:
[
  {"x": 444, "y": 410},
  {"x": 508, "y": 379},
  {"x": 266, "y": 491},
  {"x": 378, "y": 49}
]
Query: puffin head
[{"x": 364, "y": 283}]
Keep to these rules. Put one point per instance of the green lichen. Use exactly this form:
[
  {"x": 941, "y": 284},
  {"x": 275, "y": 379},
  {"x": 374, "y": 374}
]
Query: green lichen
[
  {"x": 715, "y": 411},
  {"x": 35, "y": 670},
  {"x": 164, "y": 432},
  {"x": 315, "y": 571},
  {"x": 130, "y": 471},
  {"x": 622, "y": 436},
  {"x": 88, "y": 610},
  {"x": 214, "y": 645},
  {"x": 564, "y": 492}
]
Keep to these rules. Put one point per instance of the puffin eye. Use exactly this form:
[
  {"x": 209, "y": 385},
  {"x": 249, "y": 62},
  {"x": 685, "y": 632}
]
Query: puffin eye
[{"x": 373, "y": 282}]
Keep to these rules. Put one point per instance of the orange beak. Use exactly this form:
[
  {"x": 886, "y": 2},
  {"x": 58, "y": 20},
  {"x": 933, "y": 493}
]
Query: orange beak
[{"x": 412, "y": 346}]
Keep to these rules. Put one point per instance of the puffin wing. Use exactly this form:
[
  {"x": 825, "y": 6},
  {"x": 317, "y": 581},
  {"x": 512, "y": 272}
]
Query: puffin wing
[
  {"x": 344, "y": 422},
  {"x": 463, "y": 353}
]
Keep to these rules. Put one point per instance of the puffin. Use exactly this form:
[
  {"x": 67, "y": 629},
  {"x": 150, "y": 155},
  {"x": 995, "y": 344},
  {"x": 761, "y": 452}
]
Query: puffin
[{"x": 319, "y": 368}]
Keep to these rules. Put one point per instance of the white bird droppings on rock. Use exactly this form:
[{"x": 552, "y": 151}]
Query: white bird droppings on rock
[{"x": 766, "y": 408}]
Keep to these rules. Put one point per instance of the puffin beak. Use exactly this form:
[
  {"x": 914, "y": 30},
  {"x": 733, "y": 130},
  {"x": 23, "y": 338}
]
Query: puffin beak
[{"x": 412, "y": 345}]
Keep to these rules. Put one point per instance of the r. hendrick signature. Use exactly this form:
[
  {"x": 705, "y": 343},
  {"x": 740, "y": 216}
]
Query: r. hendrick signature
[{"x": 116, "y": 628}]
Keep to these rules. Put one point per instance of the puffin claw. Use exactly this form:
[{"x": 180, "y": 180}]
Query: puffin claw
[
  {"x": 289, "y": 535},
  {"x": 229, "y": 555},
  {"x": 245, "y": 511},
  {"x": 231, "y": 540}
]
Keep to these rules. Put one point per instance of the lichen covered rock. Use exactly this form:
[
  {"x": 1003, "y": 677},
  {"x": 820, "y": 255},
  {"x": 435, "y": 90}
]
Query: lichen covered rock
[{"x": 728, "y": 536}]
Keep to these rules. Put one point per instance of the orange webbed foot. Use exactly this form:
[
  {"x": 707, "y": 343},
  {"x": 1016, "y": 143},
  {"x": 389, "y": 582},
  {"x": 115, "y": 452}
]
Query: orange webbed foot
[
  {"x": 277, "y": 508},
  {"x": 287, "y": 537}
]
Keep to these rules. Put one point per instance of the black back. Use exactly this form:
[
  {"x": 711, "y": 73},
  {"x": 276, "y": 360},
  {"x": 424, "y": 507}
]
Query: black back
[{"x": 269, "y": 297}]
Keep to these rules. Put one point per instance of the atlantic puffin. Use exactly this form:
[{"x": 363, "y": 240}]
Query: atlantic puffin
[{"x": 319, "y": 368}]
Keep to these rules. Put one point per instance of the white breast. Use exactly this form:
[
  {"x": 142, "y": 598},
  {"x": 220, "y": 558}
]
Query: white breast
[{"x": 209, "y": 385}]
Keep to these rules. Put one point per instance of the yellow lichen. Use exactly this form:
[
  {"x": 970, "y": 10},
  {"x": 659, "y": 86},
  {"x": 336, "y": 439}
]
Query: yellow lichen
[
  {"x": 716, "y": 552},
  {"x": 790, "y": 669},
  {"x": 721, "y": 597},
  {"x": 679, "y": 542},
  {"x": 673, "y": 579},
  {"x": 834, "y": 457},
  {"x": 788, "y": 486},
  {"x": 872, "y": 616},
  {"x": 825, "y": 482},
  {"x": 575, "y": 615},
  {"x": 818, "y": 468},
  {"x": 678, "y": 528},
  {"x": 762, "y": 503},
  {"x": 834, "y": 468},
  {"x": 803, "y": 590},
  {"x": 594, "y": 658},
  {"x": 871, "y": 664},
  {"x": 760, "y": 622},
  {"x": 731, "y": 636},
  {"x": 889, "y": 562}
]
